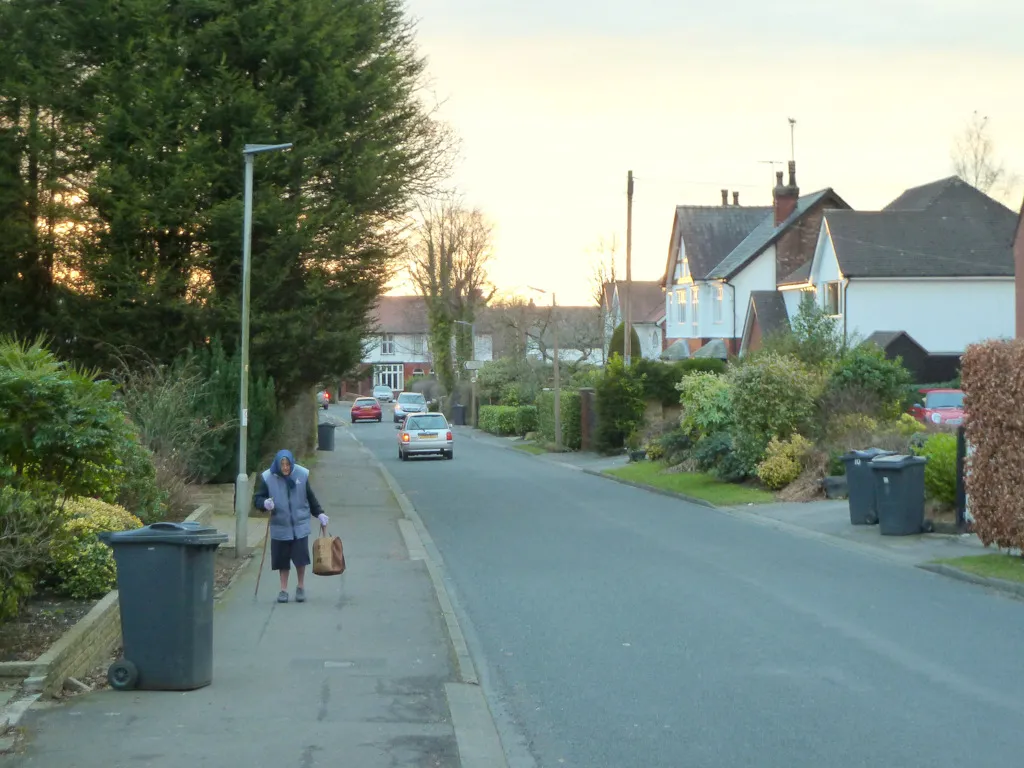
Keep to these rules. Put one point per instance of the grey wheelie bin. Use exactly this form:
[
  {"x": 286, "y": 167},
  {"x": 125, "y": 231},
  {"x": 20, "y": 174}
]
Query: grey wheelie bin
[
  {"x": 899, "y": 486},
  {"x": 165, "y": 580},
  {"x": 861, "y": 485},
  {"x": 325, "y": 437}
]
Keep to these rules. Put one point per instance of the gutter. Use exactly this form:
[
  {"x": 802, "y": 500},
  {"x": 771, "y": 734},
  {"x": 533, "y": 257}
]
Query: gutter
[{"x": 846, "y": 311}]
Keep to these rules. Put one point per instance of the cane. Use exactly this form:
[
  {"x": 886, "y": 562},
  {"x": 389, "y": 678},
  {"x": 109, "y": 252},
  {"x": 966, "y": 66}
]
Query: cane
[{"x": 262, "y": 559}]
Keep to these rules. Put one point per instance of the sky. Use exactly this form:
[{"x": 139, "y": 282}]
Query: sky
[{"x": 556, "y": 100}]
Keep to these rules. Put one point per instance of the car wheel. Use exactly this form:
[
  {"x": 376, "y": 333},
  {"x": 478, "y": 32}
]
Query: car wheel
[
  {"x": 449, "y": 454},
  {"x": 379, "y": 418}
]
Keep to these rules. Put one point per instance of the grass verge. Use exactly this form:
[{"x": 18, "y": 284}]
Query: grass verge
[
  {"x": 530, "y": 448},
  {"x": 695, "y": 484},
  {"x": 993, "y": 566}
]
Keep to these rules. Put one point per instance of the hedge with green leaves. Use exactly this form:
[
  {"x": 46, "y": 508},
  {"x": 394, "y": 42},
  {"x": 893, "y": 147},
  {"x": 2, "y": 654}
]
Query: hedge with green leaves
[
  {"x": 572, "y": 437},
  {"x": 508, "y": 419}
]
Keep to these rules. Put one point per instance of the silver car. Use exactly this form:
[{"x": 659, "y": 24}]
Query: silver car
[
  {"x": 383, "y": 393},
  {"x": 425, "y": 433},
  {"x": 409, "y": 402}
]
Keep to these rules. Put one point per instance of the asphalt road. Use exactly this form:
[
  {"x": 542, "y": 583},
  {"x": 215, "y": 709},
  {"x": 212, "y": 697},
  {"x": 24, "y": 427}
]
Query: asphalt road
[{"x": 621, "y": 628}]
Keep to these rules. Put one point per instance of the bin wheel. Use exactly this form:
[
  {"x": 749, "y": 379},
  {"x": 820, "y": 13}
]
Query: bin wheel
[
  {"x": 871, "y": 520},
  {"x": 122, "y": 675}
]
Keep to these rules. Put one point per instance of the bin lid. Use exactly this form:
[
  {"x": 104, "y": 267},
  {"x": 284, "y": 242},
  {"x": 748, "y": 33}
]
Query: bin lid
[
  {"x": 896, "y": 461},
  {"x": 188, "y": 534},
  {"x": 867, "y": 453}
]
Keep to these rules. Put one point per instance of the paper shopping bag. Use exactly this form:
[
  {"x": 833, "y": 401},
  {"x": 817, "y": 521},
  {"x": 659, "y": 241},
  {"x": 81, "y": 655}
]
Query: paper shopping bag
[{"x": 328, "y": 555}]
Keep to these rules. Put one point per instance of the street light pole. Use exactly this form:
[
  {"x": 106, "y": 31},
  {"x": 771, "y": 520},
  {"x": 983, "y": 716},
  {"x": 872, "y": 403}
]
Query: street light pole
[
  {"x": 472, "y": 374},
  {"x": 242, "y": 480}
]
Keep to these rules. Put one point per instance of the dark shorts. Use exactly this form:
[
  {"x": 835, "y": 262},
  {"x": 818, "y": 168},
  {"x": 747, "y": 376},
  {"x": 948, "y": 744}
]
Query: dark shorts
[{"x": 283, "y": 554}]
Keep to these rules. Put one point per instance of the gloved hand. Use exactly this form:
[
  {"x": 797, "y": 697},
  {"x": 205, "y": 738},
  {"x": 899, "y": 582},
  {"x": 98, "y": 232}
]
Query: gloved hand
[
  {"x": 269, "y": 505},
  {"x": 323, "y": 519}
]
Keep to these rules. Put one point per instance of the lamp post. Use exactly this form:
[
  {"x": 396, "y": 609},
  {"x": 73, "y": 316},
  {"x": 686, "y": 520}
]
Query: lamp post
[
  {"x": 242, "y": 481},
  {"x": 558, "y": 387},
  {"x": 472, "y": 356}
]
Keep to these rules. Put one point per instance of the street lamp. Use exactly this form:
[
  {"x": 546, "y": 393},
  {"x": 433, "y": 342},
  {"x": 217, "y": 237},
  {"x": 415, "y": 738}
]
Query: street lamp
[
  {"x": 558, "y": 388},
  {"x": 472, "y": 356},
  {"x": 242, "y": 481}
]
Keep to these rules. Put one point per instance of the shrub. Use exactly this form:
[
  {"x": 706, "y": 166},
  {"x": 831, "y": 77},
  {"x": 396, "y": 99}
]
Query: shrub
[
  {"x": 706, "y": 405},
  {"x": 815, "y": 339},
  {"x": 572, "y": 436},
  {"x": 655, "y": 450},
  {"x": 772, "y": 396},
  {"x": 620, "y": 405},
  {"x": 498, "y": 419},
  {"x": 717, "y": 455},
  {"x": 908, "y": 425},
  {"x": 660, "y": 379},
  {"x": 527, "y": 419},
  {"x": 497, "y": 376},
  {"x": 866, "y": 368},
  {"x": 81, "y": 565},
  {"x": 783, "y": 461},
  {"x": 675, "y": 446},
  {"x": 28, "y": 521},
  {"x": 994, "y": 401},
  {"x": 618, "y": 341},
  {"x": 137, "y": 487},
  {"x": 940, "y": 471}
]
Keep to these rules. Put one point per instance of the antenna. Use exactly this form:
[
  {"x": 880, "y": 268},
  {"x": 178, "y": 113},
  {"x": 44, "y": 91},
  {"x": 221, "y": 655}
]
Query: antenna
[
  {"x": 792, "y": 139},
  {"x": 773, "y": 163}
]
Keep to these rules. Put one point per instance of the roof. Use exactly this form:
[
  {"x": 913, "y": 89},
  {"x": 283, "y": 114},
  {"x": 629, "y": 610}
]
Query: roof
[
  {"x": 647, "y": 300},
  {"x": 949, "y": 193},
  {"x": 715, "y": 348},
  {"x": 766, "y": 233},
  {"x": 974, "y": 242},
  {"x": 884, "y": 338},
  {"x": 770, "y": 308},
  {"x": 400, "y": 314},
  {"x": 709, "y": 234},
  {"x": 798, "y": 276},
  {"x": 677, "y": 350}
]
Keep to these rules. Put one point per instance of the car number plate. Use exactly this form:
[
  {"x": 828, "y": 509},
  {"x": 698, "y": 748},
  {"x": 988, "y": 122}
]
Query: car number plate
[{"x": 428, "y": 435}]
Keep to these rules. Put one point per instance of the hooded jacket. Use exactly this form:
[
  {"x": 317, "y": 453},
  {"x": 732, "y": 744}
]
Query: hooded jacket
[{"x": 294, "y": 501}]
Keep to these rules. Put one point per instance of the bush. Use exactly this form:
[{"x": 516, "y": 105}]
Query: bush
[
  {"x": 618, "y": 342},
  {"x": 498, "y": 419},
  {"x": 82, "y": 566},
  {"x": 940, "y": 471},
  {"x": 675, "y": 446},
  {"x": 497, "y": 380},
  {"x": 137, "y": 486},
  {"x": 572, "y": 437},
  {"x": 865, "y": 368},
  {"x": 28, "y": 521},
  {"x": 706, "y": 405},
  {"x": 660, "y": 379},
  {"x": 772, "y": 396},
  {"x": 784, "y": 461},
  {"x": 527, "y": 419},
  {"x": 620, "y": 405},
  {"x": 717, "y": 455},
  {"x": 994, "y": 401}
]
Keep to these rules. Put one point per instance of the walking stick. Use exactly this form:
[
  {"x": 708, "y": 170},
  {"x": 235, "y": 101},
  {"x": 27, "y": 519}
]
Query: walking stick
[{"x": 262, "y": 559}]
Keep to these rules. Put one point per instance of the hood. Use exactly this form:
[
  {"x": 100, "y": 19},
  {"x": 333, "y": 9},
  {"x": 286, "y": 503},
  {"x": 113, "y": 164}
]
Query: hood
[{"x": 275, "y": 468}]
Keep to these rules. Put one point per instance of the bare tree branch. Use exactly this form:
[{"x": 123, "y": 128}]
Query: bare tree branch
[{"x": 974, "y": 159}]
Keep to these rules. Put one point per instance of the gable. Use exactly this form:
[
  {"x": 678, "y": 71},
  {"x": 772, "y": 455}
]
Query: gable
[{"x": 705, "y": 235}]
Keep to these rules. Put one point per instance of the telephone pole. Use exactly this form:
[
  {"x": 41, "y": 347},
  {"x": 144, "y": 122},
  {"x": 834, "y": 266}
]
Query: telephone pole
[{"x": 628, "y": 326}]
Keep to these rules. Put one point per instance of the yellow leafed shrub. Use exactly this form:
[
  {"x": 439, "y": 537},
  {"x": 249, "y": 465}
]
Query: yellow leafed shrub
[
  {"x": 81, "y": 565},
  {"x": 783, "y": 461}
]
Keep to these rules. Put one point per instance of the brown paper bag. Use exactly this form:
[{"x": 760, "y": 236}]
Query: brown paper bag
[{"x": 328, "y": 555}]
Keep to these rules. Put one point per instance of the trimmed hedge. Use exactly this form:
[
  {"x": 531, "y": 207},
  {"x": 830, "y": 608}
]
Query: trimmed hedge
[
  {"x": 508, "y": 419},
  {"x": 572, "y": 436},
  {"x": 660, "y": 378}
]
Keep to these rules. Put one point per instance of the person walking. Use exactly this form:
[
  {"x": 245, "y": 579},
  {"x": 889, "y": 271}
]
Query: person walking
[{"x": 284, "y": 492}]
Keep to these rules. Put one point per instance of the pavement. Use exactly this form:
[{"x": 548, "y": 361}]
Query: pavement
[
  {"x": 611, "y": 626},
  {"x": 365, "y": 673}
]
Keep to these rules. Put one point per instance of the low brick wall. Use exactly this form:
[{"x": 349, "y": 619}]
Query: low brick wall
[{"x": 82, "y": 647}]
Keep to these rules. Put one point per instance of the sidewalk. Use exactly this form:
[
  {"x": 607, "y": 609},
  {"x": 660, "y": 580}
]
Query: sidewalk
[{"x": 355, "y": 676}]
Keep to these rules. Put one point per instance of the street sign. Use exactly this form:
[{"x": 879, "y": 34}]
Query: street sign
[{"x": 474, "y": 365}]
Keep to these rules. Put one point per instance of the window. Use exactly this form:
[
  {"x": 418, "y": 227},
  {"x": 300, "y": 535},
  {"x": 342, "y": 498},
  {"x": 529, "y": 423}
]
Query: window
[
  {"x": 832, "y": 299},
  {"x": 719, "y": 296},
  {"x": 682, "y": 298},
  {"x": 417, "y": 344},
  {"x": 391, "y": 376},
  {"x": 417, "y": 371},
  {"x": 387, "y": 344},
  {"x": 695, "y": 296},
  {"x": 427, "y": 421}
]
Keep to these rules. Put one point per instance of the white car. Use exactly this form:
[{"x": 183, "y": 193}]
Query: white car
[
  {"x": 383, "y": 393},
  {"x": 323, "y": 398},
  {"x": 409, "y": 402},
  {"x": 425, "y": 433}
]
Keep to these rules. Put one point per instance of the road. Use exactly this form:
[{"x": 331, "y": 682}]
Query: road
[{"x": 616, "y": 628}]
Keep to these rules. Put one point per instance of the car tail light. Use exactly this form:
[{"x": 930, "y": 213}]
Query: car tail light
[
  {"x": 449, "y": 435},
  {"x": 405, "y": 437}
]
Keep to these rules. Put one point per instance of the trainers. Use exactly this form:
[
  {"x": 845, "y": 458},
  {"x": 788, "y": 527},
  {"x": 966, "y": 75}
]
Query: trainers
[
  {"x": 300, "y": 595},
  {"x": 282, "y": 597}
]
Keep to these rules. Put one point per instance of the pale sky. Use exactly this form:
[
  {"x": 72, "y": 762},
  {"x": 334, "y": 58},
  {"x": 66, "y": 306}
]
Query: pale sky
[{"x": 555, "y": 100}]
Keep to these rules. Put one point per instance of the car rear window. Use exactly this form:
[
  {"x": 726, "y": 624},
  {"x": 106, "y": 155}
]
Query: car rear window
[
  {"x": 411, "y": 397},
  {"x": 365, "y": 401},
  {"x": 431, "y": 421}
]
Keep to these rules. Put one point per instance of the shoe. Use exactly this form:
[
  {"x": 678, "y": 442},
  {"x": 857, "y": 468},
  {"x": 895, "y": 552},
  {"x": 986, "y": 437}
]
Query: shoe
[
  {"x": 300, "y": 595},
  {"x": 282, "y": 597}
]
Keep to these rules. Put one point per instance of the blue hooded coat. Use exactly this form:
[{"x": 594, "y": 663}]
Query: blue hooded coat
[{"x": 294, "y": 501}]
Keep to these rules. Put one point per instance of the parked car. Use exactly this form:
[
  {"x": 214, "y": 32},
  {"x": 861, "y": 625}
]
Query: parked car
[
  {"x": 323, "y": 398},
  {"x": 409, "y": 402},
  {"x": 366, "y": 409},
  {"x": 384, "y": 393},
  {"x": 424, "y": 433},
  {"x": 941, "y": 407}
]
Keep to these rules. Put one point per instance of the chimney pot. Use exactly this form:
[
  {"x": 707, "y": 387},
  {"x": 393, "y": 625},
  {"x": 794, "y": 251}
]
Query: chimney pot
[
  {"x": 735, "y": 198},
  {"x": 792, "y": 173},
  {"x": 725, "y": 197},
  {"x": 778, "y": 179}
]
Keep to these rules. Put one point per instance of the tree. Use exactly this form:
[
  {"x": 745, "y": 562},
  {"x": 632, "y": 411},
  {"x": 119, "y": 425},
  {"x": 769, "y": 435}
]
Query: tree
[
  {"x": 815, "y": 338},
  {"x": 533, "y": 328},
  {"x": 975, "y": 161},
  {"x": 615, "y": 347},
  {"x": 603, "y": 274},
  {"x": 448, "y": 254}
]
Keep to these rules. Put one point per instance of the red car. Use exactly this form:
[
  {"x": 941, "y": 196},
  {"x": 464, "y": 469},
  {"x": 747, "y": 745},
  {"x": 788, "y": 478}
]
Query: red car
[
  {"x": 941, "y": 407},
  {"x": 366, "y": 409}
]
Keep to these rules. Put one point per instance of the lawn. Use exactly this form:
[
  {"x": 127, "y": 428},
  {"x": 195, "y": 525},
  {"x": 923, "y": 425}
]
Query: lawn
[
  {"x": 530, "y": 448},
  {"x": 695, "y": 484},
  {"x": 1005, "y": 567}
]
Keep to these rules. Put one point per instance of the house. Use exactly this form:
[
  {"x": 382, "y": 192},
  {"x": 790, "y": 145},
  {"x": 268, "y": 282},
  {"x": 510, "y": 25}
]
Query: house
[
  {"x": 577, "y": 328},
  {"x": 399, "y": 349},
  {"x": 646, "y": 310},
  {"x": 936, "y": 264},
  {"x": 716, "y": 308},
  {"x": 1018, "y": 260}
]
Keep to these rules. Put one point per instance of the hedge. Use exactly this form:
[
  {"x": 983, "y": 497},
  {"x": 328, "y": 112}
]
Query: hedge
[
  {"x": 572, "y": 436},
  {"x": 660, "y": 378},
  {"x": 508, "y": 419},
  {"x": 994, "y": 400}
]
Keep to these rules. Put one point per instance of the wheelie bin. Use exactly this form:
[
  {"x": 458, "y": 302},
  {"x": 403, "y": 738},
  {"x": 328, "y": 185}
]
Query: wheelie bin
[{"x": 861, "y": 485}]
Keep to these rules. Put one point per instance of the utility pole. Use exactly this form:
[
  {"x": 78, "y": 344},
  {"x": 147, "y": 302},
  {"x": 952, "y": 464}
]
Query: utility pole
[
  {"x": 558, "y": 385},
  {"x": 792, "y": 139},
  {"x": 628, "y": 325}
]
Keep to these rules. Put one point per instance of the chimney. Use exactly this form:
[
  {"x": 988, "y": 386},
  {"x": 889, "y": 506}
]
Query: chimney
[
  {"x": 735, "y": 198},
  {"x": 785, "y": 195},
  {"x": 725, "y": 197}
]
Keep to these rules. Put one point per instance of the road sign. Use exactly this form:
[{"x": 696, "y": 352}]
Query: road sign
[{"x": 474, "y": 365}]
